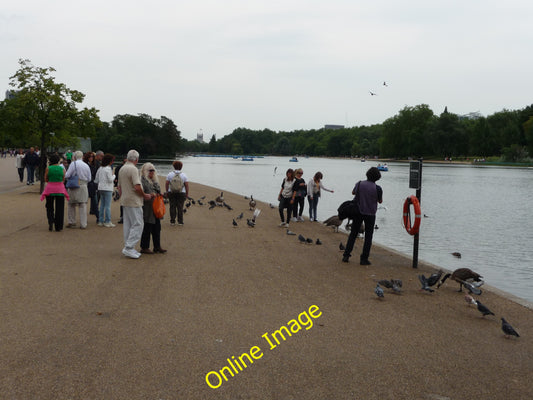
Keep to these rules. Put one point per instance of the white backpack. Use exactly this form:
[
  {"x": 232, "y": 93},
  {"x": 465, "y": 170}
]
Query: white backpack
[{"x": 176, "y": 183}]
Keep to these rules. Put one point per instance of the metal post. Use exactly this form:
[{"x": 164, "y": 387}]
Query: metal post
[{"x": 418, "y": 196}]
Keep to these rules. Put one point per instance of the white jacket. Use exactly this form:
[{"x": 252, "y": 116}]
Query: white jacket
[{"x": 104, "y": 178}]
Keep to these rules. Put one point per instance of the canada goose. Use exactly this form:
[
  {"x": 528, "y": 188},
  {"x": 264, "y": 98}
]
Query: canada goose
[
  {"x": 461, "y": 275},
  {"x": 220, "y": 199},
  {"x": 333, "y": 221},
  {"x": 252, "y": 203}
]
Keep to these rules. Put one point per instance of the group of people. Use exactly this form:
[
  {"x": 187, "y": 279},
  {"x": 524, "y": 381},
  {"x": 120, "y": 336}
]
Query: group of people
[
  {"x": 292, "y": 196},
  {"x": 91, "y": 176},
  {"x": 28, "y": 161}
]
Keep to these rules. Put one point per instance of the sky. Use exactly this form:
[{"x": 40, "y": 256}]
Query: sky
[{"x": 213, "y": 66}]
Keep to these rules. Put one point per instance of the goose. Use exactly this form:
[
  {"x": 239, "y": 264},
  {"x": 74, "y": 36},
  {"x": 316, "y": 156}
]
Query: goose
[
  {"x": 220, "y": 199},
  {"x": 333, "y": 221},
  {"x": 252, "y": 203},
  {"x": 461, "y": 275}
]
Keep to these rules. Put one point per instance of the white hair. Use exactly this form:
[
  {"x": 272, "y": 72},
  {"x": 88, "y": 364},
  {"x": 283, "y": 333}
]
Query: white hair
[
  {"x": 78, "y": 155},
  {"x": 133, "y": 155},
  {"x": 145, "y": 171}
]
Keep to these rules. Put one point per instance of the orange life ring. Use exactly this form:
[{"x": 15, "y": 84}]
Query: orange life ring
[{"x": 411, "y": 230}]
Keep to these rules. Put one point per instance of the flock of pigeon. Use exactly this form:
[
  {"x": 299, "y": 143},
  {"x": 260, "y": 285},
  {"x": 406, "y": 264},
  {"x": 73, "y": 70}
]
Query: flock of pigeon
[{"x": 464, "y": 276}]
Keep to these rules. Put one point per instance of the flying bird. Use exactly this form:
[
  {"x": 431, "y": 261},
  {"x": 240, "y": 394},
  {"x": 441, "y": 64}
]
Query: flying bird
[
  {"x": 256, "y": 214},
  {"x": 372, "y": 93},
  {"x": 424, "y": 282},
  {"x": 234, "y": 222},
  {"x": 301, "y": 238},
  {"x": 385, "y": 84},
  {"x": 379, "y": 291},
  {"x": 508, "y": 329},
  {"x": 483, "y": 309},
  {"x": 341, "y": 247}
]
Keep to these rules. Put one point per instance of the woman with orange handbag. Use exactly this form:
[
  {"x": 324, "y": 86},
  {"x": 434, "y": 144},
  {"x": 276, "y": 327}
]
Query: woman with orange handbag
[{"x": 152, "y": 225}]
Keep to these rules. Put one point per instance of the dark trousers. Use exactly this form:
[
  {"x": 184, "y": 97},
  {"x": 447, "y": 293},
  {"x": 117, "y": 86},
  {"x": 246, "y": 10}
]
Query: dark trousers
[
  {"x": 31, "y": 173},
  {"x": 369, "y": 221},
  {"x": 299, "y": 202},
  {"x": 285, "y": 202},
  {"x": 155, "y": 231},
  {"x": 57, "y": 216},
  {"x": 21, "y": 173},
  {"x": 176, "y": 201}
]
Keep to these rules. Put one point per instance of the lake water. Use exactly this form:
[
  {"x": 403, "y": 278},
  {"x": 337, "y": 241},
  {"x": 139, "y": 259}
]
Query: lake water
[{"x": 484, "y": 213}]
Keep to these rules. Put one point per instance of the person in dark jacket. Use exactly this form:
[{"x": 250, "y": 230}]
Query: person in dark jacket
[
  {"x": 31, "y": 160},
  {"x": 368, "y": 195}
]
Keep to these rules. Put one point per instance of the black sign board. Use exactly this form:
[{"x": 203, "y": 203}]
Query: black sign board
[{"x": 415, "y": 174}]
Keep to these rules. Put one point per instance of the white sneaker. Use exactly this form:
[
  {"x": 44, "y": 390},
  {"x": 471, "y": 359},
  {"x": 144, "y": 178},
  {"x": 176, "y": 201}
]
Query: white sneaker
[
  {"x": 100, "y": 224},
  {"x": 131, "y": 253},
  {"x": 109, "y": 225},
  {"x": 286, "y": 225},
  {"x": 301, "y": 219},
  {"x": 294, "y": 219},
  {"x": 282, "y": 225}
]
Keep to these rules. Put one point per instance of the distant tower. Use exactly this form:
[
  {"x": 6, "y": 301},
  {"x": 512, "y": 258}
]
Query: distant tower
[{"x": 200, "y": 136}]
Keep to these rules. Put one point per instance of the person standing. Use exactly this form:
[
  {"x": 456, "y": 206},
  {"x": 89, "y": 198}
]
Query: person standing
[
  {"x": 299, "y": 190},
  {"x": 80, "y": 195},
  {"x": 117, "y": 170},
  {"x": 19, "y": 163},
  {"x": 104, "y": 179},
  {"x": 54, "y": 192},
  {"x": 92, "y": 186},
  {"x": 368, "y": 195},
  {"x": 177, "y": 188},
  {"x": 152, "y": 225},
  {"x": 285, "y": 197},
  {"x": 131, "y": 199},
  {"x": 31, "y": 160},
  {"x": 313, "y": 194}
]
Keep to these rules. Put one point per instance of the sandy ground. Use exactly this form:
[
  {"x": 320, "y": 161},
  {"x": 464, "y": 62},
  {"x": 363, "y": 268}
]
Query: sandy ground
[{"x": 81, "y": 321}]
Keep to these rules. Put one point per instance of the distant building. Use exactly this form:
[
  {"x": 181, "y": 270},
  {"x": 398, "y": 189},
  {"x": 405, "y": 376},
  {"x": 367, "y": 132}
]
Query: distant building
[
  {"x": 200, "y": 137},
  {"x": 332, "y": 127},
  {"x": 472, "y": 115},
  {"x": 10, "y": 94}
]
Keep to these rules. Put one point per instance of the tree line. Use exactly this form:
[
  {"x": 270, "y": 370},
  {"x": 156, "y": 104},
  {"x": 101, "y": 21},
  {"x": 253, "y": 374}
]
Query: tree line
[{"x": 44, "y": 112}]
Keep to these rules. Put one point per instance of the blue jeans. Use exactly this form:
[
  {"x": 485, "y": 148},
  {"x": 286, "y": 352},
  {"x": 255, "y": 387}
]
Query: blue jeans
[
  {"x": 31, "y": 173},
  {"x": 313, "y": 203},
  {"x": 105, "y": 206}
]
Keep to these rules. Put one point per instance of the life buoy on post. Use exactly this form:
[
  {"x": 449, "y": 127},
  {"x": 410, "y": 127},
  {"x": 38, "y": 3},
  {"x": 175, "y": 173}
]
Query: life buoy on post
[{"x": 411, "y": 230}]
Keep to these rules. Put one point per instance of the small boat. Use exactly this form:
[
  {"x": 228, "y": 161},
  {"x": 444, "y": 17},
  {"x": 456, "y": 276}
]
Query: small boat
[
  {"x": 383, "y": 167},
  {"x": 294, "y": 159},
  {"x": 247, "y": 159}
]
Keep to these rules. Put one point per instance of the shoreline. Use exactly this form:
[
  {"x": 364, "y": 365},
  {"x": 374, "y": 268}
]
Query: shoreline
[{"x": 82, "y": 321}]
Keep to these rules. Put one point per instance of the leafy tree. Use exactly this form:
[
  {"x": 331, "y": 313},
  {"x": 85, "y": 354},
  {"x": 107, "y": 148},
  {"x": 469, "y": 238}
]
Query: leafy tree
[{"x": 42, "y": 107}]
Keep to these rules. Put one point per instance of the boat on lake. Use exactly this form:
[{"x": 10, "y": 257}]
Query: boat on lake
[
  {"x": 247, "y": 159},
  {"x": 294, "y": 159},
  {"x": 383, "y": 167}
]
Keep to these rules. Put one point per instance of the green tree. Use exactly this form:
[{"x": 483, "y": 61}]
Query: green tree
[{"x": 41, "y": 106}]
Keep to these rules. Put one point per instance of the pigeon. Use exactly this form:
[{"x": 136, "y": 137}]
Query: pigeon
[
  {"x": 188, "y": 204},
  {"x": 318, "y": 241},
  {"x": 309, "y": 240},
  {"x": 246, "y": 197},
  {"x": 192, "y": 201},
  {"x": 508, "y": 329},
  {"x": 341, "y": 247},
  {"x": 471, "y": 288},
  {"x": 234, "y": 222},
  {"x": 184, "y": 210},
  {"x": 424, "y": 282},
  {"x": 386, "y": 283},
  {"x": 200, "y": 202},
  {"x": 394, "y": 284},
  {"x": 240, "y": 216},
  {"x": 252, "y": 203},
  {"x": 227, "y": 206},
  {"x": 271, "y": 205},
  {"x": 301, "y": 239},
  {"x": 289, "y": 232},
  {"x": 434, "y": 278},
  {"x": 212, "y": 203},
  {"x": 379, "y": 291},
  {"x": 483, "y": 309},
  {"x": 470, "y": 300},
  {"x": 250, "y": 223},
  {"x": 212, "y": 206},
  {"x": 202, "y": 198},
  {"x": 474, "y": 283}
]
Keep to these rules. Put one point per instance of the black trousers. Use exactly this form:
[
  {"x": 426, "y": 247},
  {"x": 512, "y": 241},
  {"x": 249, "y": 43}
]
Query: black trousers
[
  {"x": 153, "y": 230},
  {"x": 369, "y": 221},
  {"x": 176, "y": 201},
  {"x": 55, "y": 215}
]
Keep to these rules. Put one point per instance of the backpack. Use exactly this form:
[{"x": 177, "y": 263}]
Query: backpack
[{"x": 176, "y": 183}]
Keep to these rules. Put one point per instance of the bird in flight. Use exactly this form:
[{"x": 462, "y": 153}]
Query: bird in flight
[
  {"x": 385, "y": 84},
  {"x": 372, "y": 93}
]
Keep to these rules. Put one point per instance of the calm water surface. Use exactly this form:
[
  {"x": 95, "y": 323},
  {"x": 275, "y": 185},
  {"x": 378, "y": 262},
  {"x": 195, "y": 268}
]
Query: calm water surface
[{"x": 484, "y": 213}]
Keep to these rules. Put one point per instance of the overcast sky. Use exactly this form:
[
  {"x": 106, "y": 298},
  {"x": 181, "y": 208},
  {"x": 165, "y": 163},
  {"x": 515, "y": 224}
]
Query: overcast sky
[{"x": 283, "y": 65}]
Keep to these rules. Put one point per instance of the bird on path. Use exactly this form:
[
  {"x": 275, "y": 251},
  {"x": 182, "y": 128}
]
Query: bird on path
[
  {"x": 271, "y": 205},
  {"x": 394, "y": 284},
  {"x": 252, "y": 203},
  {"x": 250, "y": 223},
  {"x": 202, "y": 198},
  {"x": 333, "y": 221},
  {"x": 461, "y": 275},
  {"x": 423, "y": 280},
  {"x": 289, "y": 232},
  {"x": 200, "y": 202},
  {"x": 212, "y": 203},
  {"x": 379, "y": 291},
  {"x": 227, "y": 205},
  {"x": 471, "y": 288},
  {"x": 309, "y": 240},
  {"x": 318, "y": 241},
  {"x": 240, "y": 216},
  {"x": 508, "y": 329},
  {"x": 434, "y": 278},
  {"x": 234, "y": 222},
  {"x": 483, "y": 309},
  {"x": 188, "y": 204},
  {"x": 220, "y": 199},
  {"x": 341, "y": 247},
  {"x": 192, "y": 200},
  {"x": 301, "y": 238},
  {"x": 470, "y": 300}
]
